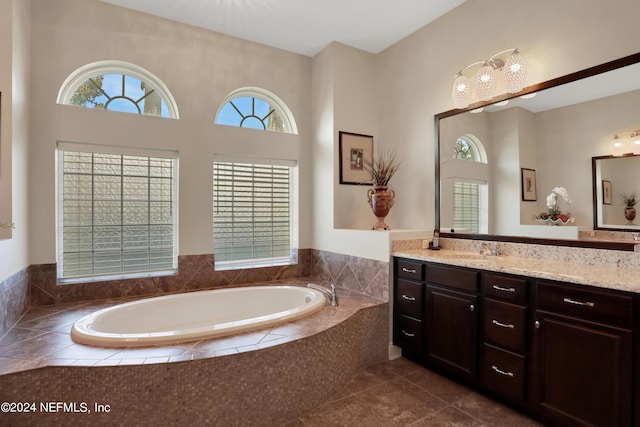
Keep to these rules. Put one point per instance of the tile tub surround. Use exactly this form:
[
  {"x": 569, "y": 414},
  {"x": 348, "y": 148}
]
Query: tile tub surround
[
  {"x": 196, "y": 272},
  {"x": 14, "y": 299},
  {"x": 265, "y": 377}
]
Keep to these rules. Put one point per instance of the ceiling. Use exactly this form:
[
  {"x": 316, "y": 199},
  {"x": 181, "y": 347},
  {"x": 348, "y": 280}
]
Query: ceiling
[{"x": 303, "y": 26}]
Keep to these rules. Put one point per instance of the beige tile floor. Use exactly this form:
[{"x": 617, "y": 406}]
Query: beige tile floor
[{"x": 402, "y": 393}]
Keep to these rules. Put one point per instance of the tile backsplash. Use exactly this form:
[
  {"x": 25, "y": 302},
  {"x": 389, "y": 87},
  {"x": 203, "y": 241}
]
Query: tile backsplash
[
  {"x": 14, "y": 299},
  {"x": 197, "y": 272},
  {"x": 588, "y": 256}
]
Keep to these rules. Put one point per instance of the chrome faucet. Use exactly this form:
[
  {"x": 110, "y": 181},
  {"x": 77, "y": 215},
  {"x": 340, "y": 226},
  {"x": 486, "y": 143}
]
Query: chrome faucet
[
  {"x": 492, "y": 249},
  {"x": 333, "y": 296}
]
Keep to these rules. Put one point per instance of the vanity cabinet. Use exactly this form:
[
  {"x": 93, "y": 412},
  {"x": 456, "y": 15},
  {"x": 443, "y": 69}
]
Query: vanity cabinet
[
  {"x": 582, "y": 370},
  {"x": 503, "y": 366},
  {"x": 561, "y": 352},
  {"x": 451, "y": 317},
  {"x": 408, "y": 303}
]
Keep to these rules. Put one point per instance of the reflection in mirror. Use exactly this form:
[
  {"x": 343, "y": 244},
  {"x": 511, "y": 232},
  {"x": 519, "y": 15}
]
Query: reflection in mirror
[
  {"x": 556, "y": 133},
  {"x": 616, "y": 186}
]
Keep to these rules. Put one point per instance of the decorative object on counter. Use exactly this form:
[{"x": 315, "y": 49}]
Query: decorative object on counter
[
  {"x": 554, "y": 215},
  {"x": 381, "y": 169},
  {"x": 355, "y": 151},
  {"x": 514, "y": 72},
  {"x": 629, "y": 207}
]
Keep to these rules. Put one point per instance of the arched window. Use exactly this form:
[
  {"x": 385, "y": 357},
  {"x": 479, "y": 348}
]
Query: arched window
[
  {"x": 257, "y": 109},
  {"x": 118, "y": 86}
]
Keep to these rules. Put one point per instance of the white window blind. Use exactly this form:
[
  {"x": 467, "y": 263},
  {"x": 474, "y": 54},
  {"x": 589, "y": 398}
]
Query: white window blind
[
  {"x": 466, "y": 206},
  {"x": 253, "y": 211},
  {"x": 117, "y": 214}
]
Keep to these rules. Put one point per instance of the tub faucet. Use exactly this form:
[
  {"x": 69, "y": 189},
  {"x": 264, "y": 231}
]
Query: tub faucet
[{"x": 329, "y": 293}]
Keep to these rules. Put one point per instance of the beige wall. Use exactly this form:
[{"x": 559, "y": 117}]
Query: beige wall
[
  {"x": 416, "y": 74},
  {"x": 14, "y": 133},
  {"x": 401, "y": 90},
  {"x": 199, "y": 67}
]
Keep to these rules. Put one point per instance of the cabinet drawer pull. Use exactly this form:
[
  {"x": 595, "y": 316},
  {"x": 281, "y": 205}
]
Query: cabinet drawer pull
[
  {"x": 407, "y": 334},
  {"x": 501, "y": 372},
  {"x": 408, "y": 298},
  {"x": 408, "y": 270},
  {"x": 503, "y": 325},
  {"x": 574, "y": 302},
  {"x": 500, "y": 288}
]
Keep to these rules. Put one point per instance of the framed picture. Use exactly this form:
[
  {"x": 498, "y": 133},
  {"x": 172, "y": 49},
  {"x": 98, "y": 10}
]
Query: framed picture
[
  {"x": 606, "y": 192},
  {"x": 528, "y": 185},
  {"x": 355, "y": 150}
]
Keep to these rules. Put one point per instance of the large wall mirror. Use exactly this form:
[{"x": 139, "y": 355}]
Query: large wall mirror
[{"x": 496, "y": 164}]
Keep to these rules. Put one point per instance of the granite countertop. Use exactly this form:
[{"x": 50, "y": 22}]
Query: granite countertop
[{"x": 602, "y": 276}]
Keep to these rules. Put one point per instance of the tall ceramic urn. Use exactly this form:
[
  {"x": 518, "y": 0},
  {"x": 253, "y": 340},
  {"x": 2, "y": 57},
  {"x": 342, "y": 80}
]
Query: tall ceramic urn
[{"x": 381, "y": 200}]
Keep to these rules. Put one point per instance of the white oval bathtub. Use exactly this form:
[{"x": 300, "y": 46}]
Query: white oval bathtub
[{"x": 195, "y": 315}]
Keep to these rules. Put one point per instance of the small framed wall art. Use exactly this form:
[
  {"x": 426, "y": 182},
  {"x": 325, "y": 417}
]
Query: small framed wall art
[
  {"x": 356, "y": 150},
  {"x": 606, "y": 192},
  {"x": 528, "y": 184}
]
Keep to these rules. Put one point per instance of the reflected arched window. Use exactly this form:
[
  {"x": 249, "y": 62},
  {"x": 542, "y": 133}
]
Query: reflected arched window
[
  {"x": 468, "y": 147},
  {"x": 469, "y": 192},
  {"x": 118, "y": 86},
  {"x": 256, "y": 108}
]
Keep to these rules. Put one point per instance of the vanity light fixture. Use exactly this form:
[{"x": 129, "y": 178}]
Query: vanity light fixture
[
  {"x": 625, "y": 146},
  {"x": 513, "y": 69}
]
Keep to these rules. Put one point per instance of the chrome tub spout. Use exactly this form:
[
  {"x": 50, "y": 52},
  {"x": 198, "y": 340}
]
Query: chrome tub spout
[{"x": 330, "y": 293}]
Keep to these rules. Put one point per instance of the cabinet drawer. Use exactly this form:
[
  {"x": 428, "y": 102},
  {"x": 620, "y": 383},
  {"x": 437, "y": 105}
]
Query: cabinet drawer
[
  {"x": 408, "y": 335},
  {"x": 503, "y": 373},
  {"x": 506, "y": 288},
  {"x": 587, "y": 303},
  {"x": 410, "y": 269},
  {"x": 465, "y": 280},
  {"x": 505, "y": 324},
  {"x": 409, "y": 298}
]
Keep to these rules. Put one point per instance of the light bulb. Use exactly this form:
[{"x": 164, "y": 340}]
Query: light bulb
[
  {"x": 486, "y": 82},
  {"x": 515, "y": 72},
  {"x": 635, "y": 144},
  {"x": 461, "y": 91},
  {"x": 618, "y": 146}
]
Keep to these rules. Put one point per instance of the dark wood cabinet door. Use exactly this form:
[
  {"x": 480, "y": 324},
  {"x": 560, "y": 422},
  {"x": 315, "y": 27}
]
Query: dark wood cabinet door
[
  {"x": 452, "y": 329},
  {"x": 582, "y": 370}
]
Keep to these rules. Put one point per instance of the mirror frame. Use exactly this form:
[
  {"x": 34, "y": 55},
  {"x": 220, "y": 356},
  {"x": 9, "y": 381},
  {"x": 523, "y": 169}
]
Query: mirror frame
[
  {"x": 595, "y": 185},
  {"x": 578, "y": 75}
]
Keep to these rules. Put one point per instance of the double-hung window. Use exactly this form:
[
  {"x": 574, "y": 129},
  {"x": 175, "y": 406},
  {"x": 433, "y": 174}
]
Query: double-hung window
[
  {"x": 254, "y": 213},
  {"x": 117, "y": 212}
]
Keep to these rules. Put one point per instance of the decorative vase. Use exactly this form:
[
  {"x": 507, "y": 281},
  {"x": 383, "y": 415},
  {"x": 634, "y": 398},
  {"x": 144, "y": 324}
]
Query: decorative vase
[
  {"x": 630, "y": 214},
  {"x": 381, "y": 200}
]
